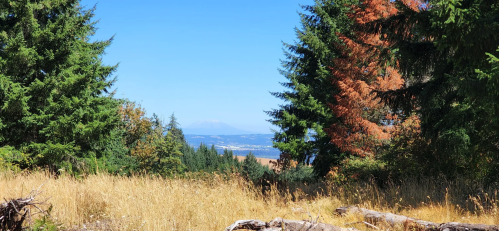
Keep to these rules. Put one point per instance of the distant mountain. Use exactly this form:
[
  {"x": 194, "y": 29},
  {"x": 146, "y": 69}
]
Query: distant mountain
[{"x": 213, "y": 127}]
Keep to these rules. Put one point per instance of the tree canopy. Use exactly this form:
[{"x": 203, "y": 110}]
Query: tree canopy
[{"x": 54, "y": 103}]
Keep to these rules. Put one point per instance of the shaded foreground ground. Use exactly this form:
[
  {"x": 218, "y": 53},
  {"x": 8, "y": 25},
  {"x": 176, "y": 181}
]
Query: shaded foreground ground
[{"x": 212, "y": 202}]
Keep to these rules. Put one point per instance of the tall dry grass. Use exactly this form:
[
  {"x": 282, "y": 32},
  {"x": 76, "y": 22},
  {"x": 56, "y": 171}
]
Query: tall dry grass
[{"x": 213, "y": 202}]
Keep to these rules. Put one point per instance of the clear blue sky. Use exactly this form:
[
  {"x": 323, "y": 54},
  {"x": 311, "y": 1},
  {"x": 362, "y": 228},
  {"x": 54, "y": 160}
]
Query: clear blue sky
[{"x": 200, "y": 59}]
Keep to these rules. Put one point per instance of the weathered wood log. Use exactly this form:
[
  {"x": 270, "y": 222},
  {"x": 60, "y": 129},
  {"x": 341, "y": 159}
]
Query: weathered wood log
[
  {"x": 14, "y": 212},
  {"x": 247, "y": 224},
  {"x": 391, "y": 219},
  {"x": 456, "y": 226},
  {"x": 284, "y": 224}
]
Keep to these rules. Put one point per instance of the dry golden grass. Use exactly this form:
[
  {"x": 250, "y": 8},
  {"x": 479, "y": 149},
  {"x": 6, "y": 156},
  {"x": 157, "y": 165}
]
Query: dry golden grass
[{"x": 213, "y": 203}]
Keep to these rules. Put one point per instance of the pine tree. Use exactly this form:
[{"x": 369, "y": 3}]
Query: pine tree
[
  {"x": 174, "y": 127},
  {"x": 213, "y": 158},
  {"x": 53, "y": 84},
  {"x": 252, "y": 168},
  {"x": 364, "y": 122},
  {"x": 201, "y": 154},
  {"x": 189, "y": 158},
  {"x": 307, "y": 113},
  {"x": 229, "y": 162},
  {"x": 168, "y": 158},
  {"x": 442, "y": 51}
]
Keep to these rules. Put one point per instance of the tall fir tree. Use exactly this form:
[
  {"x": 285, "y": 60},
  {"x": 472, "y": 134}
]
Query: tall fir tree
[
  {"x": 307, "y": 113},
  {"x": 252, "y": 169},
  {"x": 189, "y": 158},
  {"x": 174, "y": 127},
  {"x": 53, "y": 101},
  {"x": 442, "y": 47},
  {"x": 364, "y": 122}
]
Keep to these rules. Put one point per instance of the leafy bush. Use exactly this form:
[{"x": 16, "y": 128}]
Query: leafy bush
[
  {"x": 12, "y": 159},
  {"x": 299, "y": 174},
  {"x": 356, "y": 168}
]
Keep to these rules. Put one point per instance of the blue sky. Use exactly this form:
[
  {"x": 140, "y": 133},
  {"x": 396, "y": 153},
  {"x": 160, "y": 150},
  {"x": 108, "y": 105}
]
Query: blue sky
[{"x": 200, "y": 59}]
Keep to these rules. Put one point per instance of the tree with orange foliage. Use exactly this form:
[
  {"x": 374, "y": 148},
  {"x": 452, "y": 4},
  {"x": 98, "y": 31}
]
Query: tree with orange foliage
[
  {"x": 365, "y": 122},
  {"x": 333, "y": 71},
  {"x": 145, "y": 137},
  {"x": 134, "y": 121},
  {"x": 305, "y": 114}
]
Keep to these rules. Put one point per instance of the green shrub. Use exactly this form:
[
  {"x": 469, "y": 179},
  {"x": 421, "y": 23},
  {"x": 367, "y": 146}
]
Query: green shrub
[
  {"x": 12, "y": 159},
  {"x": 299, "y": 174},
  {"x": 252, "y": 169},
  {"x": 360, "y": 169}
]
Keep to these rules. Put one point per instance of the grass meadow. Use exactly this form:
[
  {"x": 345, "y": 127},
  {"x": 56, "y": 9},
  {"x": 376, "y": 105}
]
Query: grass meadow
[{"x": 213, "y": 202}]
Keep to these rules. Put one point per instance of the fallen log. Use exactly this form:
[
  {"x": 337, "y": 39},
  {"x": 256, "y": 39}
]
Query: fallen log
[
  {"x": 247, "y": 224},
  {"x": 409, "y": 223},
  {"x": 285, "y": 225}
]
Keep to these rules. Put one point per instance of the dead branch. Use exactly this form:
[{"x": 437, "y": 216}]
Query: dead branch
[
  {"x": 283, "y": 224},
  {"x": 375, "y": 217},
  {"x": 14, "y": 212}
]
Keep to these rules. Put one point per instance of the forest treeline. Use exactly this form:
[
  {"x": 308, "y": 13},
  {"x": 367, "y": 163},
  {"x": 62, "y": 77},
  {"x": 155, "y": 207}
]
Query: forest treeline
[{"x": 376, "y": 88}]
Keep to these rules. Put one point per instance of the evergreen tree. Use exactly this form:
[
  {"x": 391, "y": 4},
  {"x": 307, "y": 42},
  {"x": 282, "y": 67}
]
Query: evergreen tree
[
  {"x": 201, "y": 157},
  {"x": 302, "y": 121},
  {"x": 117, "y": 158},
  {"x": 226, "y": 161},
  {"x": 251, "y": 168},
  {"x": 159, "y": 153},
  {"x": 168, "y": 159},
  {"x": 442, "y": 48},
  {"x": 53, "y": 84},
  {"x": 365, "y": 122},
  {"x": 174, "y": 127},
  {"x": 212, "y": 158},
  {"x": 230, "y": 162},
  {"x": 189, "y": 158}
]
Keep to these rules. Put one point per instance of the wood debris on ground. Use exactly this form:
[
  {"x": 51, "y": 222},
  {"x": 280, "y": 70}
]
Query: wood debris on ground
[
  {"x": 372, "y": 219},
  {"x": 15, "y": 213},
  {"x": 408, "y": 223}
]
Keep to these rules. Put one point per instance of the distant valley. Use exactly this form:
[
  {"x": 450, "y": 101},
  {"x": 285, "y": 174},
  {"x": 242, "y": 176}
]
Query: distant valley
[
  {"x": 224, "y": 136},
  {"x": 259, "y": 144}
]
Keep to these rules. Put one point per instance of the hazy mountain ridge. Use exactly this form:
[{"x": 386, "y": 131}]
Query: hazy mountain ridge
[{"x": 213, "y": 127}]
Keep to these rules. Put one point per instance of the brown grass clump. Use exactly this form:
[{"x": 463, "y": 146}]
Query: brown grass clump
[{"x": 211, "y": 202}]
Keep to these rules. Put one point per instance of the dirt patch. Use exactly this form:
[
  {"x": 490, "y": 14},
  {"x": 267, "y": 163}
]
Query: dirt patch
[{"x": 263, "y": 161}]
